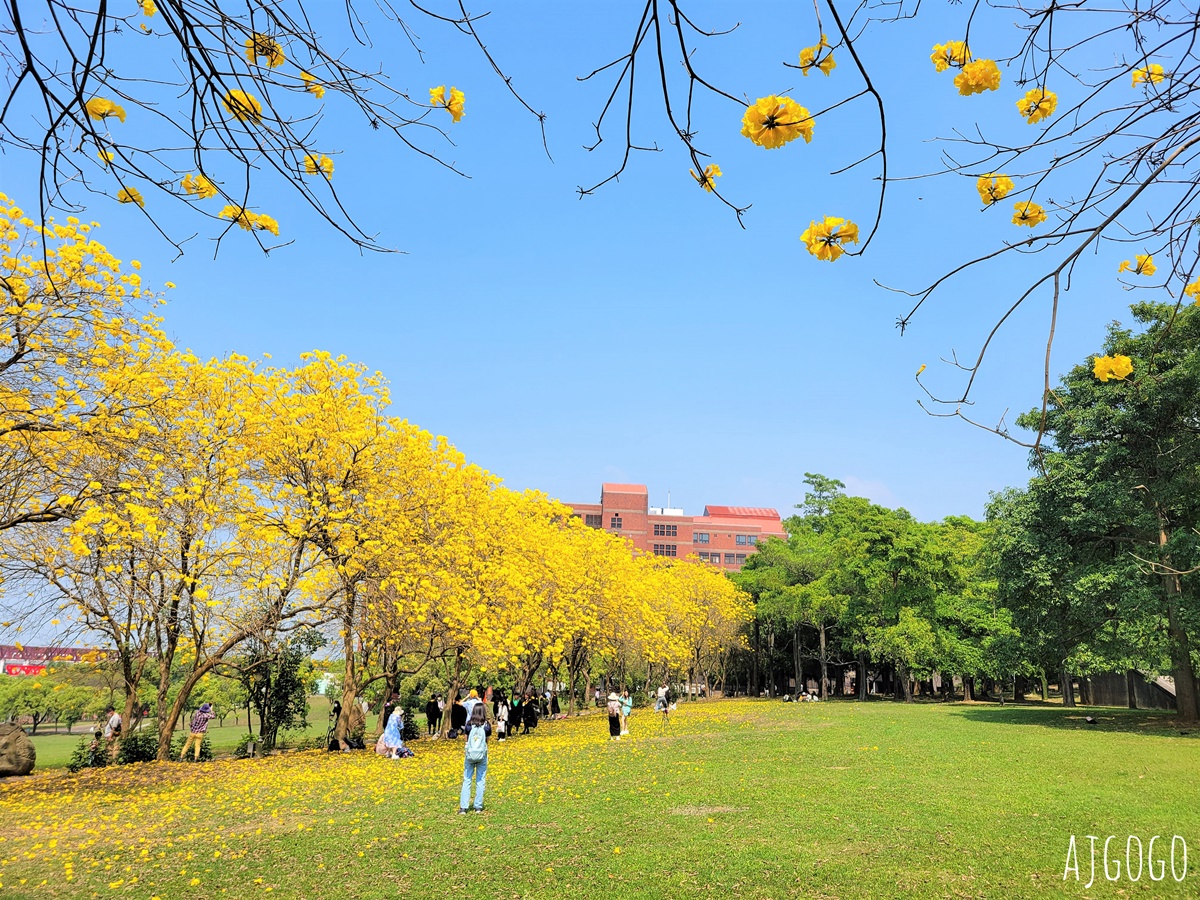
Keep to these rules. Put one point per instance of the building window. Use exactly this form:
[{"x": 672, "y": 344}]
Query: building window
[
  {"x": 703, "y": 556},
  {"x": 666, "y": 531},
  {"x": 741, "y": 539},
  {"x": 700, "y": 537},
  {"x": 729, "y": 559},
  {"x": 716, "y": 559},
  {"x": 752, "y": 539},
  {"x": 592, "y": 520},
  {"x": 614, "y": 522},
  {"x": 664, "y": 549},
  {"x": 740, "y": 558}
]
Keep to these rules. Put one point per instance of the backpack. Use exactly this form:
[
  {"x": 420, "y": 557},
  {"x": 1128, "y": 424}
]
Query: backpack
[
  {"x": 477, "y": 744},
  {"x": 613, "y": 708}
]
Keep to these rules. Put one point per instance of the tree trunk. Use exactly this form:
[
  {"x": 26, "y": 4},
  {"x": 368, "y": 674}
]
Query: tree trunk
[
  {"x": 1178, "y": 641},
  {"x": 905, "y": 687},
  {"x": 453, "y": 692},
  {"x": 823, "y": 654},
  {"x": 862, "y": 676},
  {"x": 1019, "y": 687},
  {"x": 1068, "y": 688},
  {"x": 755, "y": 690},
  {"x": 968, "y": 689},
  {"x": 1044, "y": 685}
]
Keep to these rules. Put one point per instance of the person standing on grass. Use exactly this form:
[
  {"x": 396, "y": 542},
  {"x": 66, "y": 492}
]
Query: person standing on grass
[
  {"x": 516, "y": 715},
  {"x": 475, "y": 759},
  {"x": 501, "y": 718},
  {"x": 626, "y": 709},
  {"x": 614, "y": 717},
  {"x": 433, "y": 715},
  {"x": 112, "y": 731},
  {"x": 198, "y": 729}
]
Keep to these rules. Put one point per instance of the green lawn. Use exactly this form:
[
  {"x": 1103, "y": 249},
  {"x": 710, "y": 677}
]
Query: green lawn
[{"x": 741, "y": 799}]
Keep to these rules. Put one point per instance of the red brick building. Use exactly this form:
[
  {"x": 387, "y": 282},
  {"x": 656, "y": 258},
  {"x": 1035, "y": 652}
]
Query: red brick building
[{"x": 724, "y": 536}]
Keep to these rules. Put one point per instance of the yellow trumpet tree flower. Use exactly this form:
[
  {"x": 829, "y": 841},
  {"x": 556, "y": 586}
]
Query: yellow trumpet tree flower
[
  {"x": 311, "y": 85},
  {"x": 1151, "y": 74},
  {"x": 951, "y": 53},
  {"x": 437, "y": 97},
  {"x": 978, "y": 76},
  {"x": 102, "y": 108},
  {"x": 1143, "y": 265},
  {"x": 199, "y": 185},
  {"x": 1193, "y": 291},
  {"x": 774, "y": 121},
  {"x": 1112, "y": 368},
  {"x": 812, "y": 58},
  {"x": 243, "y": 107},
  {"x": 825, "y": 239},
  {"x": 318, "y": 164},
  {"x": 1028, "y": 213},
  {"x": 1037, "y": 104},
  {"x": 706, "y": 180},
  {"x": 261, "y": 46},
  {"x": 130, "y": 195},
  {"x": 993, "y": 187}
]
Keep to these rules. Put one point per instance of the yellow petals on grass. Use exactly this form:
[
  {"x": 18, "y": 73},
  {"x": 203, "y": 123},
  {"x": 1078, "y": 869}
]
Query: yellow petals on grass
[
  {"x": 1144, "y": 265},
  {"x": 130, "y": 195},
  {"x": 993, "y": 187},
  {"x": 250, "y": 221},
  {"x": 811, "y": 58},
  {"x": 978, "y": 76},
  {"x": 100, "y": 108},
  {"x": 313, "y": 86},
  {"x": 321, "y": 164},
  {"x": 1151, "y": 74},
  {"x": 260, "y": 45},
  {"x": 199, "y": 185},
  {"x": 1037, "y": 104},
  {"x": 243, "y": 107},
  {"x": 1028, "y": 213},
  {"x": 825, "y": 240},
  {"x": 773, "y": 121},
  {"x": 706, "y": 180},
  {"x": 951, "y": 53},
  {"x": 1117, "y": 368},
  {"x": 437, "y": 97}
]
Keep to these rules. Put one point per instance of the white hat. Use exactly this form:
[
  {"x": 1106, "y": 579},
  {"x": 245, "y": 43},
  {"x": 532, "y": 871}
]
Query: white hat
[{"x": 613, "y": 696}]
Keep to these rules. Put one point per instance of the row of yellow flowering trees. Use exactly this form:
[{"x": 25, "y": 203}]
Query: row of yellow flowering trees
[{"x": 180, "y": 507}]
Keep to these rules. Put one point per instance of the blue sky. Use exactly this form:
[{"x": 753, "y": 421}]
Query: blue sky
[{"x": 640, "y": 334}]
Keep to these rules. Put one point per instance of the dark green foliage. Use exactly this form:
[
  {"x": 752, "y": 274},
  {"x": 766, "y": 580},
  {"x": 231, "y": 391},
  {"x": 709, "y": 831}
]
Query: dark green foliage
[
  {"x": 277, "y": 677},
  {"x": 89, "y": 753}
]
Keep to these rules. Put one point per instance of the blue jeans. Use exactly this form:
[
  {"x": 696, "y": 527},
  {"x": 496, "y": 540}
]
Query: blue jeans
[{"x": 478, "y": 772}]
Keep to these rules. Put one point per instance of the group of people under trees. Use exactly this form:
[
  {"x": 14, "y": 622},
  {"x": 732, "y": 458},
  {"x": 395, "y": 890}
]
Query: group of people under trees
[{"x": 516, "y": 716}]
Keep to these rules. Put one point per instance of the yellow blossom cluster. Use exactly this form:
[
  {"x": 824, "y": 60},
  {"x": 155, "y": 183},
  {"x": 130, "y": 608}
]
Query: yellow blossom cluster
[
  {"x": 437, "y": 97},
  {"x": 311, "y": 85},
  {"x": 706, "y": 180},
  {"x": 1037, "y": 104},
  {"x": 827, "y": 239},
  {"x": 1028, "y": 213},
  {"x": 102, "y": 108},
  {"x": 314, "y": 164},
  {"x": 199, "y": 185},
  {"x": 1143, "y": 265},
  {"x": 951, "y": 53},
  {"x": 773, "y": 121},
  {"x": 818, "y": 57},
  {"x": 978, "y": 76},
  {"x": 250, "y": 221},
  {"x": 243, "y": 107},
  {"x": 266, "y": 48},
  {"x": 1116, "y": 368},
  {"x": 993, "y": 187},
  {"x": 1150, "y": 74}
]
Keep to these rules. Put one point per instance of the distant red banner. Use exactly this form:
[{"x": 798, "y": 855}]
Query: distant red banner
[{"x": 15, "y": 669}]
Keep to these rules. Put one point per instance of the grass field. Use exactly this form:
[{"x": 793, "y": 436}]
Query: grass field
[
  {"x": 741, "y": 799},
  {"x": 54, "y": 749}
]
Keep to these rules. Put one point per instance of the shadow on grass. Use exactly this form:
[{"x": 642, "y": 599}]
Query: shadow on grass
[{"x": 1160, "y": 723}]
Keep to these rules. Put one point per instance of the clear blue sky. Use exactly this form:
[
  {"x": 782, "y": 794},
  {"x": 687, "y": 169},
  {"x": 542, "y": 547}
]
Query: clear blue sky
[{"x": 640, "y": 334}]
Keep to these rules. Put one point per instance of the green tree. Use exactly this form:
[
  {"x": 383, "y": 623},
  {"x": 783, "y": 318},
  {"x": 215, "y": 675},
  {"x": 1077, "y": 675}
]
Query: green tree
[{"x": 1131, "y": 447}]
